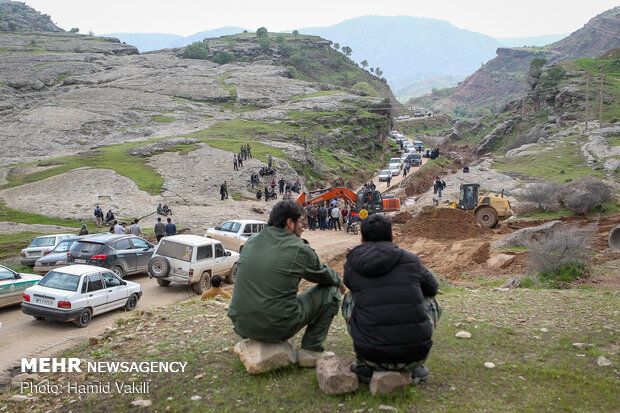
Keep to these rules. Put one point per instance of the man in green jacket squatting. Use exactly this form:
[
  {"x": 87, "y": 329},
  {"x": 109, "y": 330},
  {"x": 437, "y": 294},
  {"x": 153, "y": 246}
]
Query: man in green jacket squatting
[{"x": 265, "y": 305}]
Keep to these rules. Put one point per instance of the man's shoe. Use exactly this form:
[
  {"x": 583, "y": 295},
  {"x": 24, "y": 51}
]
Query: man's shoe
[
  {"x": 419, "y": 374},
  {"x": 307, "y": 358},
  {"x": 363, "y": 372}
]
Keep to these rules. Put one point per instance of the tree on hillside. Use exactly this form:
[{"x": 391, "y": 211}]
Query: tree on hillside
[
  {"x": 378, "y": 72},
  {"x": 196, "y": 50},
  {"x": 337, "y": 46},
  {"x": 74, "y": 30},
  {"x": 12, "y": 26},
  {"x": 264, "y": 43},
  {"x": 296, "y": 33},
  {"x": 364, "y": 63},
  {"x": 347, "y": 51},
  {"x": 372, "y": 70},
  {"x": 261, "y": 32},
  {"x": 536, "y": 66}
]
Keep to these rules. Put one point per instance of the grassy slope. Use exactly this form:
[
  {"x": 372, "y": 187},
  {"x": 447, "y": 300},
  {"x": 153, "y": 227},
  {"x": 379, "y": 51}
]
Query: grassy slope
[{"x": 535, "y": 371}]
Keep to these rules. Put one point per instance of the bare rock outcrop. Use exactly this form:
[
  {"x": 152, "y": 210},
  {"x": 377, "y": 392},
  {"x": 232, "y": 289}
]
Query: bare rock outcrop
[{"x": 528, "y": 237}]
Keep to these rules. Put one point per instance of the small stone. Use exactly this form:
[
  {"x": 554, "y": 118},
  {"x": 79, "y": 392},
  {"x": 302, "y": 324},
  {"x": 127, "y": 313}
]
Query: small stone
[
  {"x": 602, "y": 361},
  {"x": 457, "y": 325},
  {"x": 489, "y": 365},
  {"x": 385, "y": 382},
  {"x": 470, "y": 319},
  {"x": 18, "y": 398},
  {"x": 334, "y": 375},
  {"x": 141, "y": 403},
  {"x": 544, "y": 330},
  {"x": 198, "y": 376},
  {"x": 579, "y": 345},
  {"x": 93, "y": 341},
  {"x": 463, "y": 334},
  {"x": 196, "y": 397},
  {"x": 388, "y": 408}
]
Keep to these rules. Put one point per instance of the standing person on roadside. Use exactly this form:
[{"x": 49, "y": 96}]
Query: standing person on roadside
[
  {"x": 99, "y": 216},
  {"x": 160, "y": 229},
  {"x": 281, "y": 183},
  {"x": 265, "y": 305},
  {"x": 118, "y": 228},
  {"x": 390, "y": 310},
  {"x": 224, "y": 190},
  {"x": 322, "y": 217},
  {"x": 389, "y": 179},
  {"x": 313, "y": 214},
  {"x": 135, "y": 229},
  {"x": 170, "y": 228},
  {"x": 336, "y": 218},
  {"x": 249, "y": 150}
]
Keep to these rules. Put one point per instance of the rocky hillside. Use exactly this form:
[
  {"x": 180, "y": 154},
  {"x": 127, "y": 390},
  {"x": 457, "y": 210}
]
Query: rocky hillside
[
  {"x": 16, "y": 16},
  {"x": 167, "y": 127},
  {"x": 506, "y": 77}
]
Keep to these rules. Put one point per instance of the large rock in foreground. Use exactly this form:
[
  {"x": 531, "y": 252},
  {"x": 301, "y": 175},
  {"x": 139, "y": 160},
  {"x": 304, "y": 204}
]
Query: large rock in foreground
[
  {"x": 335, "y": 376},
  {"x": 260, "y": 357},
  {"x": 385, "y": 382}
]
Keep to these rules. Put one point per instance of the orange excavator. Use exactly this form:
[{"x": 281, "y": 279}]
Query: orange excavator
[{"x": 365, "y": 199}]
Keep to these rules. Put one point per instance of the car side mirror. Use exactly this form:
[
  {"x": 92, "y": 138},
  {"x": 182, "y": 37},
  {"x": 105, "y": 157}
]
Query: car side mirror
[
  {"x": 148, "y": 248},
  {"x": 123, "y": 282},
  {"x": 228, "y": 253}
]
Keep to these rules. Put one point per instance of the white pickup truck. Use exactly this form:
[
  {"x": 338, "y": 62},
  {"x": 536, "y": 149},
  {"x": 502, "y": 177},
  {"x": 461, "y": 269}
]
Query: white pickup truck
[
  {"x": 192, "y": 260},
  {"x": 235, "y": 233}
]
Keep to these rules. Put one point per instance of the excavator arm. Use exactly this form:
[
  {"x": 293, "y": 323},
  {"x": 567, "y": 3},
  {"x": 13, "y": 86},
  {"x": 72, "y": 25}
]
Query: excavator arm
[{"x": 322, "y": 195}]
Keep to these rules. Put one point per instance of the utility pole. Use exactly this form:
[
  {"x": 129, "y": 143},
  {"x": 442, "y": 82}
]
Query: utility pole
[
  {"x": 587, "y": 90},
  {"x": 600, "y": 114}
]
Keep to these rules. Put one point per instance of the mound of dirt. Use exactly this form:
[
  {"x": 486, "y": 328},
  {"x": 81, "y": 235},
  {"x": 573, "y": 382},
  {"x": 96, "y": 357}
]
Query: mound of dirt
[
  {"x": 444, "y": 224},
  {"x": 401, "y": 218}
]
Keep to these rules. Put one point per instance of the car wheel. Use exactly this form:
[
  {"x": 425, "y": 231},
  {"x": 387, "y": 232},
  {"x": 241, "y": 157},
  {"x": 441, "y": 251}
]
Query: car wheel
[
  {"x": 132, "y": 302},
  {"x": 203, "y": 284},
  {"x": 118, "y": 270},
  {"x": 159, "y": 267},
  {"x": 162, "y": 282},
  {"x": 84, "y": 319},
  {"x": 230, "y": 278}
]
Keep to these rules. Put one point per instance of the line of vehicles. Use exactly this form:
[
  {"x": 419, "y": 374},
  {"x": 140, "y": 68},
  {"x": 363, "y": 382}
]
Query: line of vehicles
[
  {"x": 84, "y": 275},
  {"x": 412, "y": 154}
]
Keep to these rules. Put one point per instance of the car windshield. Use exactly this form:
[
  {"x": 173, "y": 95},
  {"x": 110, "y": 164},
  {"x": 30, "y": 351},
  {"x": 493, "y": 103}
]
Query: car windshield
[
  {"x": 61, "y": 281},
  {"x": 175, "y": 250},
  {"x": 64, "y": 246},
  {"x": 43, "y": 242},
  {"x": 87, "y": 247}
]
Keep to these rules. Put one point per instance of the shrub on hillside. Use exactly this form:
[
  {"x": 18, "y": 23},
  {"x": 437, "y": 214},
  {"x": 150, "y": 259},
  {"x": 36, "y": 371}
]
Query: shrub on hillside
[
  {"x": 223, "y": 57},
  {"x": 366, "y": 88},
  {"x": 583, "y": 194},
  {"x": 196, "y": 50},
  {"x": 264, "y": 43},
  {"x": 561, "y": 257},
  {"x": 543, "y": 195},
  {"x": 261, "y": 32}
]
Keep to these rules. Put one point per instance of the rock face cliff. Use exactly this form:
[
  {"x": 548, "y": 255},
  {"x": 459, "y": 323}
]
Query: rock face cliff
[{"x": 504, "y": 78}]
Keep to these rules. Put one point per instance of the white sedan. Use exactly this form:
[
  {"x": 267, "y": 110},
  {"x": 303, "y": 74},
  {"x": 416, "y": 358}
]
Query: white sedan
[
  {"x": 233, "y": 234},
  {"x": 77, "y": 292}
]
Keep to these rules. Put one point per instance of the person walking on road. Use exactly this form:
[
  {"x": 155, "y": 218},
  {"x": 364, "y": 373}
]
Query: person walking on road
[
  {"x": 224, "y": 191},
  {"x": 389, "y": 179},
  {"x": 170, "y": 228}
]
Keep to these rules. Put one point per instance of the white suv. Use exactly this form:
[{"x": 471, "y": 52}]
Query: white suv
[
  {"x": 192, "y": 260},
  {"x": 235, "y": 233}
]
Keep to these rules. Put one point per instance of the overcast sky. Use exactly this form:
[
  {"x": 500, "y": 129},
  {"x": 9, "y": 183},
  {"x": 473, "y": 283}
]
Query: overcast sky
[{"x": 495, "y": 18}]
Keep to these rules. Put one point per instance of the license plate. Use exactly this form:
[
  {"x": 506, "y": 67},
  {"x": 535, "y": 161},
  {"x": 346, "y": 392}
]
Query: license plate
[
  {"x": 179, "y": 271},
  {"x": 44, "y": 301},
  {"x": 34, "y": 254},
  {"x": 80, "y": 261}
]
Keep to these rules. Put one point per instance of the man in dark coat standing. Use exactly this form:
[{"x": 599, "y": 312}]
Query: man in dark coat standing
[{"x": 391, "y": 311}]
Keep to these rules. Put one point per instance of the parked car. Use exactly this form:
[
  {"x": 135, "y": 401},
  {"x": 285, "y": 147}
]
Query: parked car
[
  {"x": 192, "y": 260},
  {"x": 394, "y": 168},
  {"x": 123, "y": 254},
  {"x": 41, "y": 246},
  {"x": 233, "y": 234},
  {"x": 383, "y": 175},
  {"x": 13, "y": 284},
  {"x": 418, "y": 144},
  {"x": 395, "y": 161},
  {"x": 56, "y": 257},
  {"x": 78, "y": 292}
]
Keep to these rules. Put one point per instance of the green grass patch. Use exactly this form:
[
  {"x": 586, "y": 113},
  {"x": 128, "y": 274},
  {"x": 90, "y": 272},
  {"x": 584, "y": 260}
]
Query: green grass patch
[
  {"x": 561, "y": 164},
  {"x": 12, "y": 244},
  {"x": 317, "y": 94},
  {"x": 162, "y": 119},
  {"x": 13, "y": 215}
]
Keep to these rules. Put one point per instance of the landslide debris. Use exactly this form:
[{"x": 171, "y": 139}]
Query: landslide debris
[{"x": 443, "y": 224}]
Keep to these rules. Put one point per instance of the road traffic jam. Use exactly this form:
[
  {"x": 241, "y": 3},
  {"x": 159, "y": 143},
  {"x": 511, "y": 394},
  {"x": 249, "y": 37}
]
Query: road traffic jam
[{"x": 78, "y": 277}]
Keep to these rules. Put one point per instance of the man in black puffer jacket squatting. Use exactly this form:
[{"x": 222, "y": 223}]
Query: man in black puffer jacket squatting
[{"x": 390, "y": 310}]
